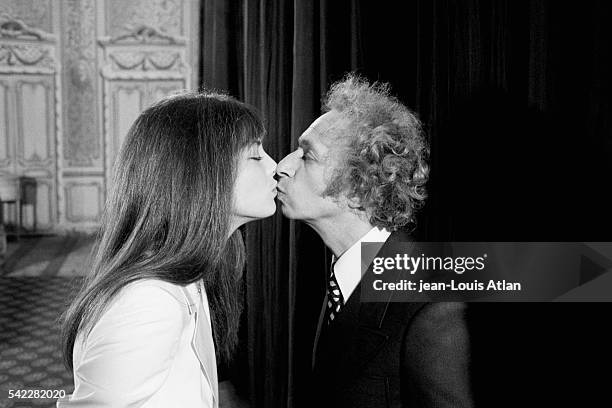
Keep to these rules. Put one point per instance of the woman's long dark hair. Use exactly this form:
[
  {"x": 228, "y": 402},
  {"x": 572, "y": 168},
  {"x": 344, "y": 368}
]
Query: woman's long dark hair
[{"x": 167, "y": 215}]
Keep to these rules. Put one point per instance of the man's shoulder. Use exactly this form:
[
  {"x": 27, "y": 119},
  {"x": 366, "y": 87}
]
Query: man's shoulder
[
  {"x": 426, "y": 315},
  {"x": 442, "y": 320}
]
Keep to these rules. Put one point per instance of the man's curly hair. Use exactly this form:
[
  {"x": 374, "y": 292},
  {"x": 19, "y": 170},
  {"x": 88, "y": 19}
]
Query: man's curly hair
[{"x": 384, "y": 170}]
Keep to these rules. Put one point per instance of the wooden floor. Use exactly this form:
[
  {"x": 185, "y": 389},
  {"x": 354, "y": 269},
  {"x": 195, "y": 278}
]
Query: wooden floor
[
  {"x": 57, "y": 260},
  {"x": 57, "y": 255}
]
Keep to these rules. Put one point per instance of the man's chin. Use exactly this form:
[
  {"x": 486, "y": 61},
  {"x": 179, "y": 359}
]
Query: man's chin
[{"x": 287, "y": 211}]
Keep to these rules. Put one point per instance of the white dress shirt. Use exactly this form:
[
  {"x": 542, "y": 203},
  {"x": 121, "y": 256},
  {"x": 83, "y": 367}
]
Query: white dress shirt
[
  {"x": 349, "y": 268},
  {"x": 151, "y": 348}
]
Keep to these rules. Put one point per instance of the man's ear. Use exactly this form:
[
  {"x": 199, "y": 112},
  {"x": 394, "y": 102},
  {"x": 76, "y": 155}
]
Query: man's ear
[{"x": 354, "y": 203}]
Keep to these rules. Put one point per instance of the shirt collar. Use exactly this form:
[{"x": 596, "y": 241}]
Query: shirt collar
[{"x": 348, "y": 268}]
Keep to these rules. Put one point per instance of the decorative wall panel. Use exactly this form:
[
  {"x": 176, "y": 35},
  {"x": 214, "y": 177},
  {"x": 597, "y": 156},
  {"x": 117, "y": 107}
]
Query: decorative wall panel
[
  {"x": 161, "y": 89},
  {"x": 123, "y": 16},
  {"x": 142, "y": 61},
  {"x": 34, "y": 13},
  {"x": 74, "y": 74},
  {"x": 29, "y": 83},
  {"x": 84, "y": 201},
  {"x": 5, "y": 145},
  {"x": 127, "y": 101},
  {"x": 82, "y": 147},
  {"x": 35, "y": 122}
]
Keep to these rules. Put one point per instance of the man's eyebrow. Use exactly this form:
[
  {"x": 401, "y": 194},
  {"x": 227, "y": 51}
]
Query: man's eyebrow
[{"x": 305, "y": 143}]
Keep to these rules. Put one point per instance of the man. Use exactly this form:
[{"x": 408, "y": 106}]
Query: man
[{"x": 358, "y": 175}]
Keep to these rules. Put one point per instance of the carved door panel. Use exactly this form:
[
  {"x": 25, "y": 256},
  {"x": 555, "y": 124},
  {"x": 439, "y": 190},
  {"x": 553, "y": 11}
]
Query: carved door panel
[
  {"x": 30, "y": 106},
  {"x": 28, "y": 140},
  {"x": 74, "y": 74},
  {"x": 127, "y": 99},
  {"x": 159, "y": 89},
  {"x": 35, "y": 110},
  {"x": 7, "y": 143}
]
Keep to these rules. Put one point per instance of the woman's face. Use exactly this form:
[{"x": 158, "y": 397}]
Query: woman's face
[{"x": 255, "y": 187}]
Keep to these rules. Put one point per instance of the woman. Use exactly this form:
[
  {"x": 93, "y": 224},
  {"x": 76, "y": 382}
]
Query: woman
[{"x": 164, "y": 293}]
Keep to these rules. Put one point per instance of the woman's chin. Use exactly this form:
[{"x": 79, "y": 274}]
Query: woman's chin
[
  {"x": 272, "y": 208},
  {"x": 265, "y": 211},
  {"x": 269, "y": 208}
]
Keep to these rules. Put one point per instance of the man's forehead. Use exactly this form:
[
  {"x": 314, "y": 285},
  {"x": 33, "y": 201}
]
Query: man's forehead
[{"x": 324, "y": 129}]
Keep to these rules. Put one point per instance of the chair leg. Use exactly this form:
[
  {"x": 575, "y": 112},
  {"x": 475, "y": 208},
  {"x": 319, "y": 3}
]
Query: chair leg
[
  {"x": 17, "y": 217},
  {"x": 2, "y": 232}
]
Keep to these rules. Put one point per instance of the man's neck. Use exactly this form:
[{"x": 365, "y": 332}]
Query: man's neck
[{"x": 340, "y": 232}]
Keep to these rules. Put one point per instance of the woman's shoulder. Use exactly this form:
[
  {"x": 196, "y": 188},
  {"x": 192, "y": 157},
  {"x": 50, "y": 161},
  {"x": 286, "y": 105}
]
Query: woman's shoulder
[
  {"x": 149, "y": 300},
  {"x": 135, "y": 341},
  {"x": 144, "y": 308},
  {"x": 154, "y": 289}
]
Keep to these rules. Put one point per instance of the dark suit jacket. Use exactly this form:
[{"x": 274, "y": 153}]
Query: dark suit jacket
[{"x": 393, "y": 354}]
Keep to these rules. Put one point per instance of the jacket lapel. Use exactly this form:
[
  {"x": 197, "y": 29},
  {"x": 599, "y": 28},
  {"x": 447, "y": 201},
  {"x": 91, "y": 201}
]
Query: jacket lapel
[
  {"x": 359, "y": 331},
  {"x": 356, "y": 336},
  {"x": 203, "y": 344},
  {"x": 317, "y": 339}
]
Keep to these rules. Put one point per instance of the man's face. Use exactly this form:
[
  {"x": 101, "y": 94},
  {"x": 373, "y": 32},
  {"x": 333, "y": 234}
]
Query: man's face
[{"x": 304, "y": 174}]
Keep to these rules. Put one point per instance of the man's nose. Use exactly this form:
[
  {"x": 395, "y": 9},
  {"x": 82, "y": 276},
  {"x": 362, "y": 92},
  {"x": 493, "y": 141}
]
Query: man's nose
[{"x": 286, "y": 167}]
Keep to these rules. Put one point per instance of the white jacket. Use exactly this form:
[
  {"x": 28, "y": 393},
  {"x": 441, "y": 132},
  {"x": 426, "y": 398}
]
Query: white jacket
[{"x": 153, "y": 347}]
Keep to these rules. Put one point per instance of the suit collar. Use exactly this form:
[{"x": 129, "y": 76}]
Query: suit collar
[
  {"x": 202, "y": 340},
  {"x": 349, "y": 267}
]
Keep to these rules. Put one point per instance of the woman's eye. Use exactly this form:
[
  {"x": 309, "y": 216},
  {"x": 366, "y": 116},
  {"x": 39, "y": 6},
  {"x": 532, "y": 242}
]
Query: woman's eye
[{"x": 256, "y": 158}]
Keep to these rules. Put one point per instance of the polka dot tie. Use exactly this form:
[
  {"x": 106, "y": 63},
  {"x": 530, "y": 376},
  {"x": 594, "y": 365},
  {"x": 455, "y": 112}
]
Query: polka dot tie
[{"x": 335, "y": 301}]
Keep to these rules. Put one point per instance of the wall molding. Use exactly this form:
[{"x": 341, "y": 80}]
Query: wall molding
[
  {"x": 83, "y": 55},
  {"x": 68, "y": 189},
  {"x": 14, "y": 28}
]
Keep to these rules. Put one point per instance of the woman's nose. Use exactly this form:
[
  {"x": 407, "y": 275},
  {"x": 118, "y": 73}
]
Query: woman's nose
[{"x": 272, "y": 165}]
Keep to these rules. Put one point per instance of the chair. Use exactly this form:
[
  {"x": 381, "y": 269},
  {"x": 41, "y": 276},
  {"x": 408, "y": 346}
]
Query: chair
[
  {"x": 28, "y": 197},
  {"x": 17, "y": 191}
]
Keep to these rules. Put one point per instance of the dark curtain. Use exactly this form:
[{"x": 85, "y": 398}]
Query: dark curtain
[
  {"x": 279, "y": 56},
  {"x": 515, "y": 97}
]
